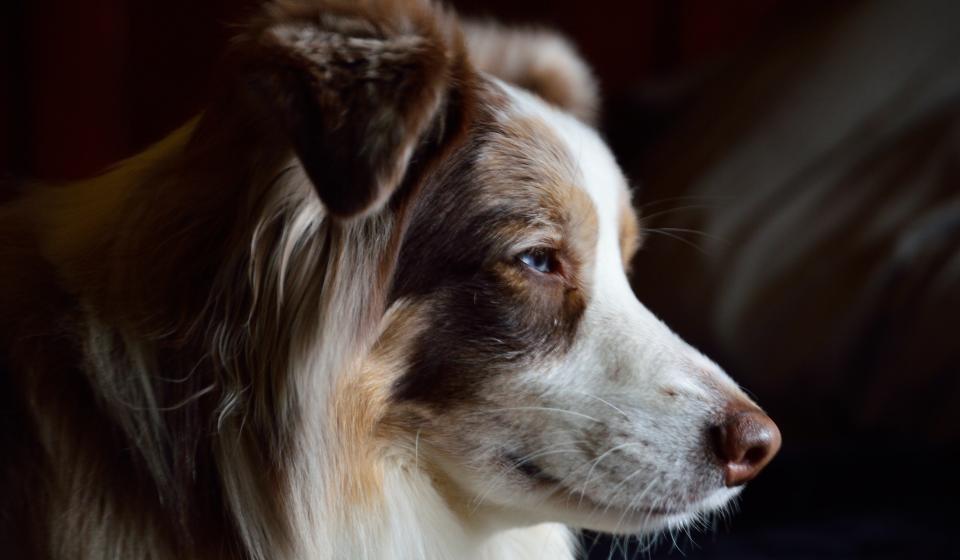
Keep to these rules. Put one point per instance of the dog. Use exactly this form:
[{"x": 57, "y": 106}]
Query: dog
[{"x": 371, "y": 303}]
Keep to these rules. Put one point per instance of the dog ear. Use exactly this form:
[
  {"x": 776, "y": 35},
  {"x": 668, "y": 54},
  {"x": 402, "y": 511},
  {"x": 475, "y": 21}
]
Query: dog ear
[
  {"x": 356, "y": 85},
  {"x": 538, "y": 60}
]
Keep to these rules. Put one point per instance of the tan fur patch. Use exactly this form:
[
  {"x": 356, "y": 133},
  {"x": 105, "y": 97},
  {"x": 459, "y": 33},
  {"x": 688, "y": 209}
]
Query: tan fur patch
[
  {"x": 630, "y": 233},
  {"x": 538, "y": 60},
  {"x": 361, "y": 405}
]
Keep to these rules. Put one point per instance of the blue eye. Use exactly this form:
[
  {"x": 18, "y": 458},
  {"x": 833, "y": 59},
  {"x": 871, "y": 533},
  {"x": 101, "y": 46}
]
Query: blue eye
[{"x": 542, "y": 260}]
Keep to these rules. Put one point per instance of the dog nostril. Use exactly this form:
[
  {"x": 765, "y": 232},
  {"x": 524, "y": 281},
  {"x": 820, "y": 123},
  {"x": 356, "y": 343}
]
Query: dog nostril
[
  {"x": 756, "y": 454},
  {"x": 745, "y": 442}
]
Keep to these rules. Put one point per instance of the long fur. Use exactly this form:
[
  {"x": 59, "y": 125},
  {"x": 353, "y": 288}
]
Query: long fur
[
  {"x": 213, "y": 312},
  {"x": 222, "y": 347}
]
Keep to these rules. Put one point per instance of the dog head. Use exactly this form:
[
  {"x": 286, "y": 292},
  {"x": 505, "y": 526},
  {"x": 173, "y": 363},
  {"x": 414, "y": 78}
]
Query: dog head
[
  {"x": 530, "y": 372},
  {"x": 513, "y": 361}
]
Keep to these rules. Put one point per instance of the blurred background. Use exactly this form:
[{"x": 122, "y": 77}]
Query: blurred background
[{"x": 798, "y": 164}]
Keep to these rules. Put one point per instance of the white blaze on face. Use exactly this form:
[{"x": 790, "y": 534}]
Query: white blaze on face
[{"x": 637, "y": 401}]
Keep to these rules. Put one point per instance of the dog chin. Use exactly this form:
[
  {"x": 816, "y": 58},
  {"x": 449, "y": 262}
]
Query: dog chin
[{"x": 608, "y": 518}]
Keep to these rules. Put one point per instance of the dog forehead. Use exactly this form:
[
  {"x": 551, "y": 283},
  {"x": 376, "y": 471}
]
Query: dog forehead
[{"x": 586, "y": 160}]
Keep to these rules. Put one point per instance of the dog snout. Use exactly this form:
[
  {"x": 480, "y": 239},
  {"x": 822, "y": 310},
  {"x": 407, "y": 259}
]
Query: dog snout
[{"x": 744, "y": 441}]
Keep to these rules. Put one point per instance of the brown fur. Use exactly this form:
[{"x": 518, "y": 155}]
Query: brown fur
[
  {"x": 538, "y": 60},
  {"x": 631, "y": 238},
  {"x": 355, "y": 87},
  {"x": 160, "y": 319},
  {"x": 169, "y": 257}
]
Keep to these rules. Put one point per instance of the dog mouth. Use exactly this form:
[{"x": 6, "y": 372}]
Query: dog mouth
[
  {"x": 530, "y": 470},
  {"x": 627, "y": 518}
]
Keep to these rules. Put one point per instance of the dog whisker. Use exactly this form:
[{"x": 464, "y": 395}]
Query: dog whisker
[
  {"x": 545, "y": 409},
  {"x": 543, "y": 451},
  {"x": 606, "y": 402},
  {"x": 597, "y": 461},
  {"x": 646, "y": 218},
  {"x": 691, "y": 232},
  {"x": 676, "y": 237}
]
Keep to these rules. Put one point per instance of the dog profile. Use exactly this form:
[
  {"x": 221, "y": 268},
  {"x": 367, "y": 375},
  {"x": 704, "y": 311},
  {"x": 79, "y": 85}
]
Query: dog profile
[{"x": 371, "y": 303}]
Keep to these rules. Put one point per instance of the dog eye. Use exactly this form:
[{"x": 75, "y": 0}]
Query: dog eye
[{"x": 542, "y": 260}]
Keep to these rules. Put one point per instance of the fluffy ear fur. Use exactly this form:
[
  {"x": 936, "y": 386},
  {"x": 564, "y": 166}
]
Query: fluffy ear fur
[
  {"x": 538, "y": 60},
  {"x": 356, "y": 86}
]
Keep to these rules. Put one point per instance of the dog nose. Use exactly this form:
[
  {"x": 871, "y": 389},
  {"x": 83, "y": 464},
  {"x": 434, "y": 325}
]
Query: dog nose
[{"x": 745, "y": 442}]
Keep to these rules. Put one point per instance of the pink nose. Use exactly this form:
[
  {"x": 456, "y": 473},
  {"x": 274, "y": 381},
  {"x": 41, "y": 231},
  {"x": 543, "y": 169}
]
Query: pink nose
[{"x": 745, "y": 441}]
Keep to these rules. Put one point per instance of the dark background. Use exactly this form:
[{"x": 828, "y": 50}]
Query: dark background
[{"x": 799, "y": 166}]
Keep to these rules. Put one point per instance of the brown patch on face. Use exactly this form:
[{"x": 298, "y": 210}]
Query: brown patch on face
[
  {"x": 630, "y": 235},
  {"x": 361, "y": 407},
  {"x": 370, "y": 422},
  {"x": 511, "y": 188}
]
